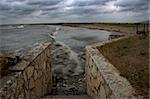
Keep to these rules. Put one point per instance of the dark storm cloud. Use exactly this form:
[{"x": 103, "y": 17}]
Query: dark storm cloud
[
  {"x": 88, "y": 2},
  {"x": 129, "y": 5},
  {"x": 4, "y": 7},
  {"x": 15, "y": 0},
  {"x": 15, "y": 9},
  {"x": 73, "y": 9},
  {"x": 125, "y": 3},
  {"x": 43, "y": 2}
]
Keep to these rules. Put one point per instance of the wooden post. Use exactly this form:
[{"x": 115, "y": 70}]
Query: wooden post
[
  {"x": 144, "y": 29},
  {"x": 137, "y": 28},
  {"x": 147, "y": 30}
]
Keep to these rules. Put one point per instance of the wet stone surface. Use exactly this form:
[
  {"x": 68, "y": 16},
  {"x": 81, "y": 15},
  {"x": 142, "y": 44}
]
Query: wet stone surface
[{"x": 68, "y": 71}]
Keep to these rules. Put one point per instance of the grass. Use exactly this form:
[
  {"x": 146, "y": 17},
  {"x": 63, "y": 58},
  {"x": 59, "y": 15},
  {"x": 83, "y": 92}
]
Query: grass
[
  {"x": 117, "y": 27},
  {"x": 126, "y": 24},
  {"x": 131, "y": 57}
]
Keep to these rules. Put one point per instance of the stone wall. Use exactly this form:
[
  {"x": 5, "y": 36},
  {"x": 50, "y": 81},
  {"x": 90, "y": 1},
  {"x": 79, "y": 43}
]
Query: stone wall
[
  {"x": 31, "y": 78},
  {"x": 103, "y": 79}
]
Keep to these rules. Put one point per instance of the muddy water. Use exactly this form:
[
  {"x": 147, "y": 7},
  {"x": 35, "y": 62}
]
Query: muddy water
[{"x": 68, "y": 51}]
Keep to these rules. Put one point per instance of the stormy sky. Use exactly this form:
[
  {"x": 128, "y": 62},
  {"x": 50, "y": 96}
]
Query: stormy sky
[{"x": 51, "y": 11}]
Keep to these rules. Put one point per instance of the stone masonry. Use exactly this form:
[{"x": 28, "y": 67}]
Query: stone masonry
[
  {"x": 103, "y": 79},
  {"x": 32, "y": 77}
]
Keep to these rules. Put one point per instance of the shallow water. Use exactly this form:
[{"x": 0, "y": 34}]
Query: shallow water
[
  {"x": 13, "y": 39},
  {"x": 77, "y": 38},
  {"x": 20, "y": 40},
  {"x": 68, "y": 59}
]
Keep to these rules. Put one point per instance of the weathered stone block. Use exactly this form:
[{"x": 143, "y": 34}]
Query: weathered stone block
[
  {"x": 38, "y": 87},
  {"x": 31, "y": 83},
  {"x": 103, "y": 79},
  {"x": 102, "y": 92},
  {"x": 33, "y": 78},
  {"x": 29, "y": 71}
]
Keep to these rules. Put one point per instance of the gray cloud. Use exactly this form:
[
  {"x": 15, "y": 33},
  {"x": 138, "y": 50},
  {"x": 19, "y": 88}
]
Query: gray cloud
[
  {"x": 43, "y": 2},
  {"x": 4, "y": 7},
  {"x": 72, "y": 10},
  {"x": 128, "y": 5}
]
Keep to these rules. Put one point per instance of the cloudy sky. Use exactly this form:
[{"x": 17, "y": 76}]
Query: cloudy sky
[{"x": 36, "y": 11}]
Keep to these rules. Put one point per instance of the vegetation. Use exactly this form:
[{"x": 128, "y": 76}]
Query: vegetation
[
  {"x": 131, "y": 57},
  {"x": 117, "y": 27}
]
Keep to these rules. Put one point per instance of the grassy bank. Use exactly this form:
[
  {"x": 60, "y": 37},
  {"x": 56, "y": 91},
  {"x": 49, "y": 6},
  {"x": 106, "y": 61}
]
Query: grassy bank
[
  {"x": 131, "y": 57},
  {"x": 117, "y": 27}
]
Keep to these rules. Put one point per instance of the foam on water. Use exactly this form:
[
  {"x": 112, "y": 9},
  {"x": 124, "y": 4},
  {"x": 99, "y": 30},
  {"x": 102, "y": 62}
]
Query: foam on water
[{"x": 73, "y": 56}]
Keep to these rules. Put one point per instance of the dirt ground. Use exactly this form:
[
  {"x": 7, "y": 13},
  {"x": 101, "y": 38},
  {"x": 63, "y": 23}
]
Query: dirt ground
[{"x": 131, "y": 57}]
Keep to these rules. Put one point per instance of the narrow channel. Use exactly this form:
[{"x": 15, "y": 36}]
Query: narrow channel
[
  {"x": 69, "y": 58},
  {"x": 68, "y": 51}
]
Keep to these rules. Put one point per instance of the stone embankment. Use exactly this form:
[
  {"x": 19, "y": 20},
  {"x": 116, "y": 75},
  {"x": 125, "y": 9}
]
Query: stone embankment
[
  {"x": 31, "y": 78},
  {"x": 103, "y": 79}
]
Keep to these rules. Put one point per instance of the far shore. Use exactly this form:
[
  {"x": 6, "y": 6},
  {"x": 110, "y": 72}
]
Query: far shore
[{"x": 127, "y": 28}]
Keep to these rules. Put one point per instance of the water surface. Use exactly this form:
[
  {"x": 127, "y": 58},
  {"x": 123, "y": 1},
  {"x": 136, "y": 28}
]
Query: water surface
[{"x": 21, "y": 40}]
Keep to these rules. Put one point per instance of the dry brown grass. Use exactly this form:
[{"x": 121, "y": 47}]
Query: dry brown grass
[
  {"x": 131, "y": 57},
  {"x": 124, "y": 28}
]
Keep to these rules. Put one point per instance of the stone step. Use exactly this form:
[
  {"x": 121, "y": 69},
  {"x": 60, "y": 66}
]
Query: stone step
[{"x": 67, "y": 97}]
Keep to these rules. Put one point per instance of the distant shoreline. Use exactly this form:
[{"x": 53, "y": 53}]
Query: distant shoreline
[
  {"x": 75, "y": 23},
  {"x": 126, "y": 28}
]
